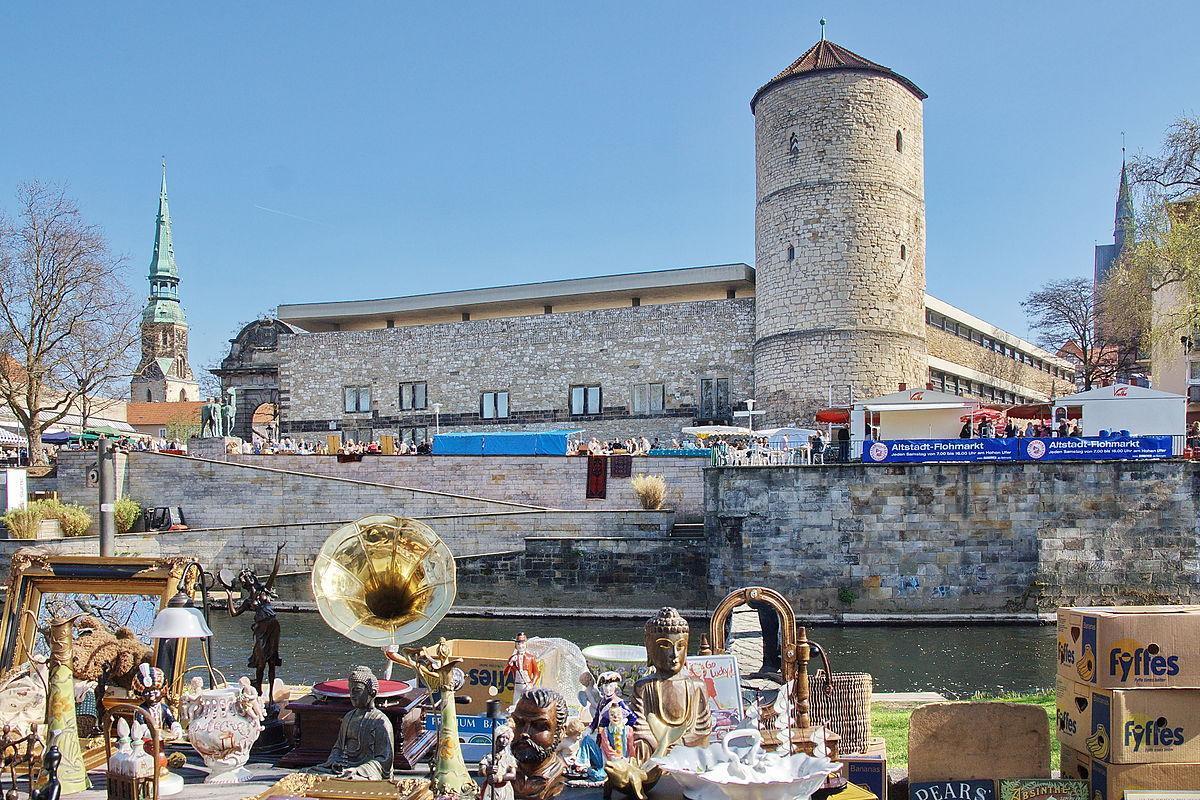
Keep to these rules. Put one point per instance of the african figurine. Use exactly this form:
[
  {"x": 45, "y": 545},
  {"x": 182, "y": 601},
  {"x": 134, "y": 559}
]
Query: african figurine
[
  {"x": 260, "y": 597},
  {"x": 498, "y": 768}
]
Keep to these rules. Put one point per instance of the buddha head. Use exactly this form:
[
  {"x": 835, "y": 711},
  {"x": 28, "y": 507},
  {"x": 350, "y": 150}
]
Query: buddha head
[
  {"x": 667, "y": 641},
  {"x": 363, "y": 687},
  {"x": 539, "y": 722}
]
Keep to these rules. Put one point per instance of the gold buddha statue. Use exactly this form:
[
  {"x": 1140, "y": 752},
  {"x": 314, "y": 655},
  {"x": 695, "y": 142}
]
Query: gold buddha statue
[{"x": 670, "y": 707}]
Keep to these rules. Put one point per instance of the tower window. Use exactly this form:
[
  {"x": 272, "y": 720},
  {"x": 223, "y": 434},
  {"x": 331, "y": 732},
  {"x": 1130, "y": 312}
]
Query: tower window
[
  {"x": 466, "y": 316},
  {"x": 547, "y": 309},
  {"x": 794, "y": 144},
  {"x": 731, "y": 294},
  {"x": 391, "y": 323},
  {"x": 903, "y": 252},
  {"x": 149, "y": 396},
  {"x": 791, "y": 253},
  {"x": 637, "y": 301},
  {"x": 899, "y": 141}
]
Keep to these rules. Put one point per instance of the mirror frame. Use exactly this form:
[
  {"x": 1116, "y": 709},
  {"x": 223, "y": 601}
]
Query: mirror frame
[{"x": 34, "y": 573}]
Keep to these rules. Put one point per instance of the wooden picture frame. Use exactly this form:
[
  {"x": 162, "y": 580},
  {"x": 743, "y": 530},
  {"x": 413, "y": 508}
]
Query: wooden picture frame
[{"x": 37, "y": 576}]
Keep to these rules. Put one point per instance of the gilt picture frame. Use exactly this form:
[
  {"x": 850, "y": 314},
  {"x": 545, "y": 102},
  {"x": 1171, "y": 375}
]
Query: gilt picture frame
[{"x": 122, "y": 591}]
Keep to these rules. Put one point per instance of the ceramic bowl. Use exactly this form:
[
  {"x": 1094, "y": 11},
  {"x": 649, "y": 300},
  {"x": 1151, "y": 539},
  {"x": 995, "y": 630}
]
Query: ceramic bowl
[{"x": 627, "y": 660}]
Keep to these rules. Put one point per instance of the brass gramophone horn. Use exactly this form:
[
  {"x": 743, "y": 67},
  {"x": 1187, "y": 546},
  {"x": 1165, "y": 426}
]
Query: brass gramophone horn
[{"x": 384, "y": 580}]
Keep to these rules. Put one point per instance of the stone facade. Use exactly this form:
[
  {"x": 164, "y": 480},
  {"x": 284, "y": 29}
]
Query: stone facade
[
  {"x": 839, "y": 239},
  {"x": 536, "y": 359},
  {"x": 957, "y": 538},
  {"x": 1000, "y": 369}
]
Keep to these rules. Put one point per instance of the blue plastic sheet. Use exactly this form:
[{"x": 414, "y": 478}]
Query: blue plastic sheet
[{"x": 503, "y": 443}]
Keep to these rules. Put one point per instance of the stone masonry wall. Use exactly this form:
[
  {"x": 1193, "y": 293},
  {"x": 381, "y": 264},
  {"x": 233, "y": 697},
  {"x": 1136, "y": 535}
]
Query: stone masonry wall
[
  {"x": 839, "y": 240},
  {"x": 549, "y": 481},
  {"x": 590, "y": 574},
  {"x": 536, "y": 359},
  {"x": 955, "y": 538}
]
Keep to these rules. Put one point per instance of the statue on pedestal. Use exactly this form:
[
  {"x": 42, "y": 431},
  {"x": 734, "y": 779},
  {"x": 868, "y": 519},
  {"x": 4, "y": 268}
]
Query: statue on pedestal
[
  {"x": 210, "y": 418},
  {"x": 229, "y": 412},
  {"x": 539, "y": 722},
  {"x": 365, "y": 746},
  {"x": 669, "y": 705}
]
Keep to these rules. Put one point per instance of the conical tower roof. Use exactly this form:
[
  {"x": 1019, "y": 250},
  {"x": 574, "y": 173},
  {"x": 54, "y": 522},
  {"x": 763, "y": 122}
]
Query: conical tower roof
[{"x": 826, "y": 56}]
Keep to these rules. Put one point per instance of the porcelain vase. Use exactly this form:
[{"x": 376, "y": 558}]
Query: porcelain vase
[{"x": 223, "y": 725}]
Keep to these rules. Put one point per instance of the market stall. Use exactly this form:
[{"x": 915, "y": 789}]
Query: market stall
[
  {"x": 913, "y": 414},
  {"x": 1126, "y": 410}
]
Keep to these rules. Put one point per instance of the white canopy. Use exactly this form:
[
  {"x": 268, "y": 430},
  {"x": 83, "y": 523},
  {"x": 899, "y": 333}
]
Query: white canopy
[
  {"x": 11, "y": 438},
  {"x": 1123, "y": 407},
  {"x": 917, "y": 414},
  {"x": 716, "y": 430},
  {"x": 795, "y": 436}
]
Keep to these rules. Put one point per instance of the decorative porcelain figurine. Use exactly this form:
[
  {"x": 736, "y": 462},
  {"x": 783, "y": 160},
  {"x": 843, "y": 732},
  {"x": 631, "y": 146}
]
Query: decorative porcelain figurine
[
  {"x": 582, "y": 756},
  {"x": 365, "y": 745},
  {"x": 539, "y": 723},
  {"x": 670, "y": 707},
  {"x": 617, "y": 732},
  {"x": 151, "y": 688},
  {"x": 118, "y": 763},
  {"x": 499, "y": 768},
  {"x": 222, "y": 726},
  {"x": 523, "y": 668}
]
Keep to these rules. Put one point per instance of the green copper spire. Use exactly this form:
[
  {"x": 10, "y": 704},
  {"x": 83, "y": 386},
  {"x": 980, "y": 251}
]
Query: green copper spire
[{"x": 164, "y": 275}]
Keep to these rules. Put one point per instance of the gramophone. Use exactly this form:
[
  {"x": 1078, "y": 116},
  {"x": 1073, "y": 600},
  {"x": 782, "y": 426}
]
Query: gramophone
[{"x": 385, "y": 582}]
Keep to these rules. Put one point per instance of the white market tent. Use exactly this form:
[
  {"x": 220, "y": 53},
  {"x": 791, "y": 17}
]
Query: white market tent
[
  {"x": 1122, "y": 407},
  {"x": 914, "y": 414},
  {"x": 796, "y": 437},
  {"x": 10, "y": 438},
  {"x": 702, "y": 431}
]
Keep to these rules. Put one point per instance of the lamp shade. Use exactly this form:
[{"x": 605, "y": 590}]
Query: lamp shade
[{"x": 180, "y": 623}]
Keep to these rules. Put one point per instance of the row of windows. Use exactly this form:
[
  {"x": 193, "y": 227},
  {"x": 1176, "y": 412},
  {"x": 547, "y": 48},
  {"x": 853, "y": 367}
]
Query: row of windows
[
  {"x": 989, "y": 343},
  {"x": 583, "y": 399},
  {"x": 794, "y": 143},
  {"x": 963, "y": 387}
]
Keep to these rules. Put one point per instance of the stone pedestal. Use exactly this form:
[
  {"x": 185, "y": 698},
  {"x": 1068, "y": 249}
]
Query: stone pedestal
[{"x": 214, "y": 447}]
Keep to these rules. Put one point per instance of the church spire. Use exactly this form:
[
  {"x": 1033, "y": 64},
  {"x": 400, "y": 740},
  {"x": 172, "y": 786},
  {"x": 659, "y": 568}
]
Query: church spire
[
  {"x": 1123, "y": 222},
  {"x": 163, "y": 303}
]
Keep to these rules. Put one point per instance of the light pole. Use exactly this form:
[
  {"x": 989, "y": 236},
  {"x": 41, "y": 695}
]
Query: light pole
[
  {"x": 437, "y": 426},
  {"x": 748, "y": 414},
  {"x": 107, "y": 480}
]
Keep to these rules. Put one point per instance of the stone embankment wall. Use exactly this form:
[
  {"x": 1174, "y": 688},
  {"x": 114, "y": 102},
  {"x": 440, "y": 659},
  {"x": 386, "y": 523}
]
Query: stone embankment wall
[
  {"x": 547, "y": 481},
  {"x": 957, "y": 538}
]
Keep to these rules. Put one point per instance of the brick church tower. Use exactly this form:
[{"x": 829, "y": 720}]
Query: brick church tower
[
  {"x": 163, "y": 374},
  {"x": 839, "y": 233}
]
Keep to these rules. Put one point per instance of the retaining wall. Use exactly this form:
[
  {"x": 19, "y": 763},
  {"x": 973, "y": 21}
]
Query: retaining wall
[{"x": 957, "y": 538}]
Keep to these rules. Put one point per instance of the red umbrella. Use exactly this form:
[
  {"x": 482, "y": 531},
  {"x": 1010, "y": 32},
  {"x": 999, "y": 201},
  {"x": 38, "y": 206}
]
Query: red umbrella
[
  {"x": 980, "y": 414},
  {"x": 1041, "y": 411},
  {"x": 838, "y": 416}
]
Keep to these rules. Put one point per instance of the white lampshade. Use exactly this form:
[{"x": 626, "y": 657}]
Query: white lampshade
[{"x": 180, "y": 623}]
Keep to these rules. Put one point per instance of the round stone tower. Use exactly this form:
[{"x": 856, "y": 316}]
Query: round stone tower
[{"x": 839, "y": 234}]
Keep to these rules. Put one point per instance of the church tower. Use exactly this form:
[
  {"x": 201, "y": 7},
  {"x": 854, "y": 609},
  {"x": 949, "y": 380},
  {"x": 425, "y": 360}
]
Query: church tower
[
  {"x": 163, "y": 375},
  {"x": 839, "y": 233}
]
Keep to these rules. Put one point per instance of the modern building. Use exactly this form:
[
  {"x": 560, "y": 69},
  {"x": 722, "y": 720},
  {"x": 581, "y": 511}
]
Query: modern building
[
  {"x": 834, "y": 310},
  {"x": 163, "y": 375}
]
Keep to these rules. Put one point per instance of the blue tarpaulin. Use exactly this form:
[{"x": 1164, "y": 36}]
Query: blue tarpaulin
[{"x": 503, "y": 443}]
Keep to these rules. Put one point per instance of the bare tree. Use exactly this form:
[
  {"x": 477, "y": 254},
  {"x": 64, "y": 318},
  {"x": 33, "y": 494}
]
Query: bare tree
[
  {"x": 1174, "y": 173},
  {"x": 67, "y": 324},
  {"x": 1063, "y": 315}
]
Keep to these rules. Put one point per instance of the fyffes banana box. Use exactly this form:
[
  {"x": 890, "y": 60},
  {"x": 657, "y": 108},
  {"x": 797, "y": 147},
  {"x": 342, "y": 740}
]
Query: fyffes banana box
[
  {"x": 1111, "y": 781},
  {"x": 1129, "y": 726},
  {"x": 1128, "y": 647}
]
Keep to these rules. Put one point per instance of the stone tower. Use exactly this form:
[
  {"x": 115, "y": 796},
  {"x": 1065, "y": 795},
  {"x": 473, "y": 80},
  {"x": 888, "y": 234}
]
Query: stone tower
[
  {"x": 163, "y": 374},
  {"x": 839, "y": 233}
]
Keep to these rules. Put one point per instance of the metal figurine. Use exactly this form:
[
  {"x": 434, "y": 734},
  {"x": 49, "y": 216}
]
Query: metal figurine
[
  {"x": 260, "y": 597},
  {"x": 539, "y": 723},
  {"x": 670, "y": 707},
  {"x": 52, "y": 789},
  {"x": 365, "y": 745}
]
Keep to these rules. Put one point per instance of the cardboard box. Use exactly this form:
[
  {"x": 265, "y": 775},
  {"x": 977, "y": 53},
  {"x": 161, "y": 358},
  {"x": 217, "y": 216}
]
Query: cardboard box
[
  {"x": 1129, "y": 726},
  {"x": 1130, "y": 647},
  {"x": 952, "y": 790},
  {"x": 869, "y": 769},
  {"x": 483, "y": 665},
  {"x": 1109, "y": 781}
]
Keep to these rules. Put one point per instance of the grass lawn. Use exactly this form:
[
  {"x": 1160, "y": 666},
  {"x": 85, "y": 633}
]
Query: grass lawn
[{"x": 891, "y": 723}]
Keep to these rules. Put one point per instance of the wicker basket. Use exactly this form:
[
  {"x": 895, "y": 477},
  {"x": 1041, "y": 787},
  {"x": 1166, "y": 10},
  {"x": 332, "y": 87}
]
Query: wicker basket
[{"x": 842, "y": 702}]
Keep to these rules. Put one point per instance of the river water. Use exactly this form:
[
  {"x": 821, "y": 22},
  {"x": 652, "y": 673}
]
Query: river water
[{"x": 956, "y": 660}]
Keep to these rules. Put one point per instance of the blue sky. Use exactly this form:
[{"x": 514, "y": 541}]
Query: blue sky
[{"x": 325, "y": 151}]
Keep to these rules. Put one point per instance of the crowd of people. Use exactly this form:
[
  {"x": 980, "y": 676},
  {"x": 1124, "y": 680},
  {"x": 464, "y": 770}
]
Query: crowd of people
[{"x": 1012, "y": 429}]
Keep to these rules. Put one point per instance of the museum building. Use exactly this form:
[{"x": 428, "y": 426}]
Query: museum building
[{"x": 835, "y": 308}]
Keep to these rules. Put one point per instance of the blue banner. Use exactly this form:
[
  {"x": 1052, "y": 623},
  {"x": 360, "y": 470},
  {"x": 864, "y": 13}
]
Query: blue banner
[
  {"x": 1094, "y": 448},
  {"x": 959, "y": 450},
  {"x": 1033, "y": 449}
]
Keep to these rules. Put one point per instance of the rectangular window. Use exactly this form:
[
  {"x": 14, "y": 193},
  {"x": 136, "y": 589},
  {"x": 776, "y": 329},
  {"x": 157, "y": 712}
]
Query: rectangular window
[
  {"x": 358, "y": 399},
  {"x": 714, "y": 398},
  {"x": 585, "y": 400},
  {"x": 648, "y": 398},
  {"x": 413, "y": 436},
  {"x": 412, "y": 396},
  {"x": 493, "y": 405}
]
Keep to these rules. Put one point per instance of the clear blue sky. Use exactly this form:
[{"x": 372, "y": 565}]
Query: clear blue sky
[{"x": 406, "y": 147}]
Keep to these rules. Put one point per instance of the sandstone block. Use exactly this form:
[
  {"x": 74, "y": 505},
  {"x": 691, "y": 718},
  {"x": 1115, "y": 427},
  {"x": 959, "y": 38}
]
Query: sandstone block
[{"x": 964, "y": 741}]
